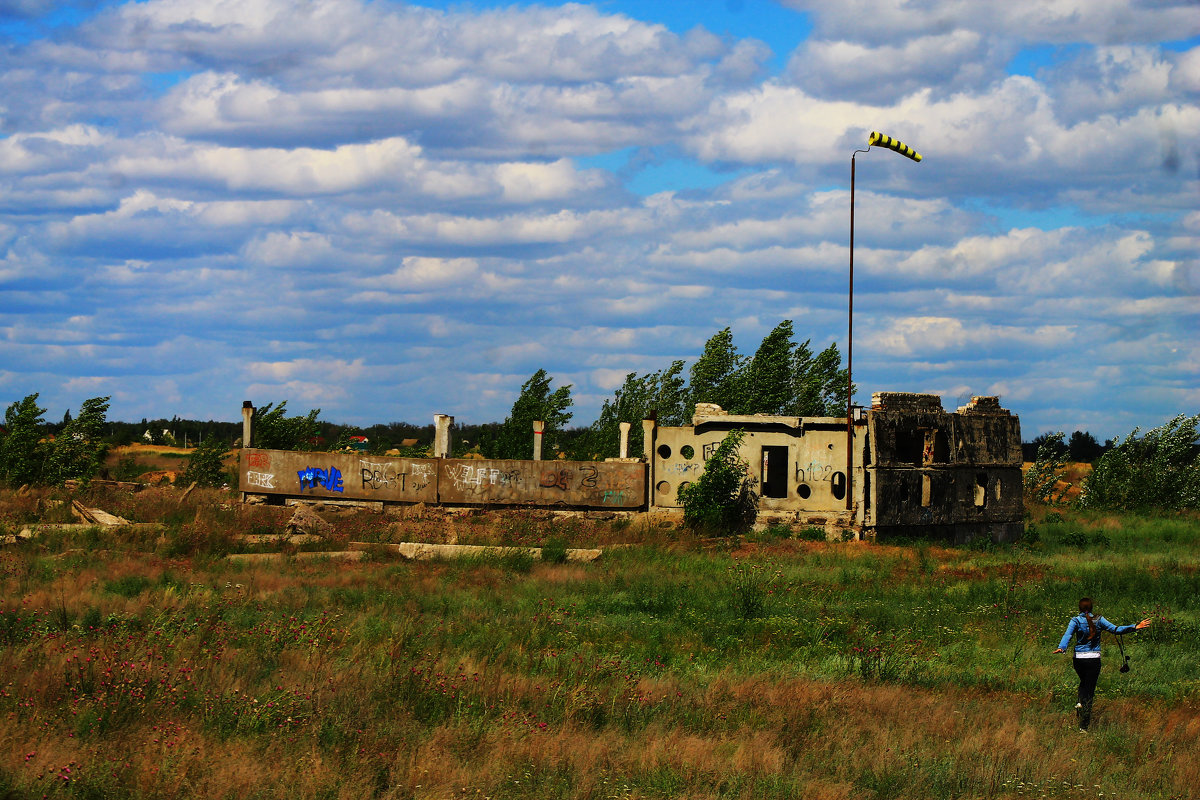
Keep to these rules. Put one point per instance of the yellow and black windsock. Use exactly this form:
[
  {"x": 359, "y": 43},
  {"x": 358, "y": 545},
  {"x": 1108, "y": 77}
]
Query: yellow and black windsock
[{"x": 877, "y": 138}]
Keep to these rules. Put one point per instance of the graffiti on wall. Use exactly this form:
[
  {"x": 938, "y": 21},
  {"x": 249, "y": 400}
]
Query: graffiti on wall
[
  {"x": 377, "y": 475},
  {"x": 260, "y": 480},
  {"x": 316, "y": 477}
]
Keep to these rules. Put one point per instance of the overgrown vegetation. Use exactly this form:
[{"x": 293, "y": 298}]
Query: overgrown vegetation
[
  {"x": 272, "y": 429},
  {"x": 1047, "y": 472},
  {"x": 206, "y": 465},
  {"x": 1158, "y": 470},
  {"x": 148, "y": 667},
  {"x": 722, "y": 500}
]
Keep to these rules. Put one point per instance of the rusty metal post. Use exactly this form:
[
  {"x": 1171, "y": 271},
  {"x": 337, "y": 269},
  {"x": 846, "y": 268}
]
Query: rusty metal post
[{"x": 850, "y": 357}]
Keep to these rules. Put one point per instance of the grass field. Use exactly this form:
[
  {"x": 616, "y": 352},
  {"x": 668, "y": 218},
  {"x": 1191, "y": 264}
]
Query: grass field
[{"x": 142, "y": 664}]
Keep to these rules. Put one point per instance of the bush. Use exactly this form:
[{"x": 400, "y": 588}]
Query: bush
[
  {"x": 1159, "y": 470},
  {"x": 1047, "y": 470},
  {"x": 721, "y": 500},
  {"x": 206, "y": 464},
  {"x": 272, "y": 430}
]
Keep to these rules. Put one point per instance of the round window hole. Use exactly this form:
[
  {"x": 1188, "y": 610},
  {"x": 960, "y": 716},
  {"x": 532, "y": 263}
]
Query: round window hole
[
  {"x": 829, "y": 446},
  {"x": 664, "y": 451},
  {"x": 684, "y": 485},
  {"x": 687, "y": 451},
  {"x": 662, "y": 487},
  {"x": 837, "y": 484},
  {"x": 804, "y": 490}
]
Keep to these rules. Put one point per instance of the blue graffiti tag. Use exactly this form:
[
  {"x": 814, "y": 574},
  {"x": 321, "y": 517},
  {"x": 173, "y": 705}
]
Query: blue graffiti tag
[{"x": 330, "y": 480}]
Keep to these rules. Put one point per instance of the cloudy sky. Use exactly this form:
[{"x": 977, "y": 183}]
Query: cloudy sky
[{"x": 388, "y": 210}]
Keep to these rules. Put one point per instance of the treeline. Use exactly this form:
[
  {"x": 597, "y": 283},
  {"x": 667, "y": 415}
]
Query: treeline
[
  {"x": 783, "y": 376},
  {"x": 1081, "y": 446}
]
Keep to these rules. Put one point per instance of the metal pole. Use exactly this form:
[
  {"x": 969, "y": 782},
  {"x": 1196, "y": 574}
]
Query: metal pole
[{"x": 850, "y": 357}]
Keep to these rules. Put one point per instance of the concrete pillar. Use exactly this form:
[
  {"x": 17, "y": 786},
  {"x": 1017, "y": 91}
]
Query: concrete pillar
[
  {"x": 624, "y": 426},
  {"x": 539, "y": 427},
  {"x": 247, "y": 422},
  {"x": 441, "y": 435}
]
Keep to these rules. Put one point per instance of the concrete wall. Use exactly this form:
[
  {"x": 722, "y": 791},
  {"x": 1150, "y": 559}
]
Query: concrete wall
[
  {"x": 956, "y": 474},
  {"x": 359, "y": 476},
  {"x": 811, "y": 455}
]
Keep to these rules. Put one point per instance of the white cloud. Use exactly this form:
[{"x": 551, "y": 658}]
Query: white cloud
[{"x": 1093, "y": 21}]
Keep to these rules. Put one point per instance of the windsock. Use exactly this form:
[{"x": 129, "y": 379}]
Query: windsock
[{"x": 877, "y": 138}]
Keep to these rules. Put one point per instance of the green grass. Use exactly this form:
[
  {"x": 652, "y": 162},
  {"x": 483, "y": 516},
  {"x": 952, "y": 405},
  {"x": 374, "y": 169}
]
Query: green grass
[{"x": 662, "y": 670}]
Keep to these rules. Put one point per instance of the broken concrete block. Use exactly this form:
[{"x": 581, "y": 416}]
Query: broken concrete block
[{"x": 305, "y": 520}]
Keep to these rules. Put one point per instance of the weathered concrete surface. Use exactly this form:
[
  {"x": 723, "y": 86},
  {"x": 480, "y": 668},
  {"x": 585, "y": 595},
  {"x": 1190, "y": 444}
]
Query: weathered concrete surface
[
  {"x": 305, "y": 521},
  {"x": 338, "y": 476},
  {"x": 570, "y": 483},
  {"x": 278, "y": 538},
  {"x": 420, "y": 551},
  {"x": 332, "y": 555},
  {"x": 805, "y": 459}
]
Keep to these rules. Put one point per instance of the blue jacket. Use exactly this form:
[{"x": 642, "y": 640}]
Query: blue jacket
[{"x": 1078, "y": 627}]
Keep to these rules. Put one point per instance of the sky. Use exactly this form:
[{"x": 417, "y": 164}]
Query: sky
[{"x": 388, "y": 210}]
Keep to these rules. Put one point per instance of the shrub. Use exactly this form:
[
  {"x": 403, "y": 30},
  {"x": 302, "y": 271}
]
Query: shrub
[
  {"x": 722, "y": 499},
  {"x": 206, "y": 465},
  {"x": 1047, "y": 470},
  {"x": 1159, "y": 470},
  {"x": 812, "y": 533}
]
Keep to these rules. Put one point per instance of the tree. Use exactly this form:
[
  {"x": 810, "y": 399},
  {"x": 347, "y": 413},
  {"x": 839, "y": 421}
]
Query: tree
[
  {"x": 1047, "y": 470},
  {"x": 1082, "y": 446},
  {"x": 272, "y": 430},
  {"x": 661, "y": 393},
  {"x": 536, "y": 402},
  {"x": 717, "y": 376},
  {"x": 1158, "y": 470},
  {"x": 206, "y": 464},
  {"x": 22, "y": 457},
  {"x": 820, "y": 382},
  {"x": 78, "y": 451},
  {"x": 768, "y": 385}
]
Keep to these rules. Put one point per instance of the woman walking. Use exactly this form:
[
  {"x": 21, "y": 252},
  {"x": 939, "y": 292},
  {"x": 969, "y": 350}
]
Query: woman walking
[{"x": 1086, "y": 628}]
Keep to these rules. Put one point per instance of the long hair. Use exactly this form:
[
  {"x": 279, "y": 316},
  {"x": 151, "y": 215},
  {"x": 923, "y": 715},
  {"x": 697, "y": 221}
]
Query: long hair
[{"x": 1085, "y": 608}]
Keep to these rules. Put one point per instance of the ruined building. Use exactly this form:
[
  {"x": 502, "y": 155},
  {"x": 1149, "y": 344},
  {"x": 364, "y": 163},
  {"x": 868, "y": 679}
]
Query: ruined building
[{"x": 914, "y": 469}]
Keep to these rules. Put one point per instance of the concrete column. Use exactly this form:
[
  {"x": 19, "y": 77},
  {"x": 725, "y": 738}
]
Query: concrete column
[
  {"x": 441, "y": 435},
  {"x": 624, "y": 426},
  {"x": 648, "y": 439},
  {"x": 539, "y": 428},
  {"x": 247, "y": 422}
]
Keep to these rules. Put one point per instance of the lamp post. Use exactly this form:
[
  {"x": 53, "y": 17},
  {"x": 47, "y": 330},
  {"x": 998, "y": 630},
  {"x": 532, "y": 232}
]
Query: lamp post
[{"x": 875, "y": 138}]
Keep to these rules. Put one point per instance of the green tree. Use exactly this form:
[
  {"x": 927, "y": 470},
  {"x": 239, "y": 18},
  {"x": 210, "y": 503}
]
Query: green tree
[
  {"x": 78, "y": 451},
  {"x": 768, "y": 381},
  {"x": 718, "y": 375},
  {"x": 1047, "y": 470},
  {"x": 1158, "y": 470},
  {"x": 272, "y": 429},
  {"x": 1082, "y": 446},
  {"x": 22, "y": 456},
  {"x": 536, "y": 402},
  {"x": 819, "y": 383},
  {"x": 206, "y": 464},
  {"x": 661, "y": 393},
  {"x": 722, "y": 500}
]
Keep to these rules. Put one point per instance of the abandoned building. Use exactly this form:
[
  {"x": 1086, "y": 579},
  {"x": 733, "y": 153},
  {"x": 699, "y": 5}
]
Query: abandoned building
[{"x": 909, "y": 468}]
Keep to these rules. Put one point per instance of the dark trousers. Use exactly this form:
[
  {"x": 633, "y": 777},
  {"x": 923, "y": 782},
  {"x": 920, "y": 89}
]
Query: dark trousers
[{"x": 1088, "y": 670}]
